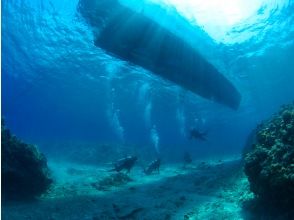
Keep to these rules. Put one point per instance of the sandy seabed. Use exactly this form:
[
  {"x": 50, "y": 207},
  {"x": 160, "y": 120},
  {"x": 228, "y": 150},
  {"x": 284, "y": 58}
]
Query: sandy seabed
[{"x": 212, "y": 189}]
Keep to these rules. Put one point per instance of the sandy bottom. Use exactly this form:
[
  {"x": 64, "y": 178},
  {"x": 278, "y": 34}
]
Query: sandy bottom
[{"x": 203, "y": 190}]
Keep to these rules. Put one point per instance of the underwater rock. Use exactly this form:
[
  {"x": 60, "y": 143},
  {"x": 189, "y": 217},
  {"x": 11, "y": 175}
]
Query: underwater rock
[
  {"x": 24, "y": 171},
  {"x": 269, "y": 165},
  {"x": 131, "y": 214},
  {"x": 114, "y": 180}
]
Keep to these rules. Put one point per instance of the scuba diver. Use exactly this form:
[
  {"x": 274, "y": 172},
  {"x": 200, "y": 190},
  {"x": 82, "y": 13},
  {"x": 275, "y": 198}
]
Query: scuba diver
[
  {"x": 153, "y": 166},
  {"x": 197, "y": 135},
  {"x": 187, "y": 159},
  {"x": 126, "y": 163}
]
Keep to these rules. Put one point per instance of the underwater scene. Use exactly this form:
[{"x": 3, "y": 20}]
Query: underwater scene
[{"x": 147, "y": 109}]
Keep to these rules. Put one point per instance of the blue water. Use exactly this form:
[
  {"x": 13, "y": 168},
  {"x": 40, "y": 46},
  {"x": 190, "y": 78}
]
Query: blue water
[{"x": 57, "y": 86}]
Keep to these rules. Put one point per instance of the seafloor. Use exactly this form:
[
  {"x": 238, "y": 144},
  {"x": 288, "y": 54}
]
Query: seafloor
[{"x": 212, "y": 189}]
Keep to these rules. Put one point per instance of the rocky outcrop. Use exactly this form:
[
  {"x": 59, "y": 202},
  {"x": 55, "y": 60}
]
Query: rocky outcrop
[
  {"x": 269, "y": 165},
  {"x": 24, "y": 170}
]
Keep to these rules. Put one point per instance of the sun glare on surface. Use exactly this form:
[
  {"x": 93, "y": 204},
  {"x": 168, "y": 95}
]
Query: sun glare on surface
[{"x": 216, "y": 17}]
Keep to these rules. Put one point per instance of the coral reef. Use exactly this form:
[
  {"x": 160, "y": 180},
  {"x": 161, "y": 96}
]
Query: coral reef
[
  {"x": 24, "y": 170},
  {"x": 269, "y": 165}
]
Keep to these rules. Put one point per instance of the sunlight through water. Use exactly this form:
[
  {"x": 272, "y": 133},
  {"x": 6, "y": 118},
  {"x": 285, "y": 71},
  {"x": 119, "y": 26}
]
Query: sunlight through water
[{"x": 217, "y": 18}]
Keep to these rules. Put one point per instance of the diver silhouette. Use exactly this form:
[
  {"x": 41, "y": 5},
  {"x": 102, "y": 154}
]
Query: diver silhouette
[{"x": 197, "y": 135}]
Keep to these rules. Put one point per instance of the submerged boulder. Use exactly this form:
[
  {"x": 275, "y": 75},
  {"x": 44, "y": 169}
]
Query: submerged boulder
[
  {"x": 24, "y": 170},
  {"x": 269, "y": 165},
  {"x": 113, "y": 180}
]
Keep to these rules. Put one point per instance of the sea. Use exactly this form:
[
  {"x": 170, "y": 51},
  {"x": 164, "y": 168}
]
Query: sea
[{"x": 87, "y": 101}]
